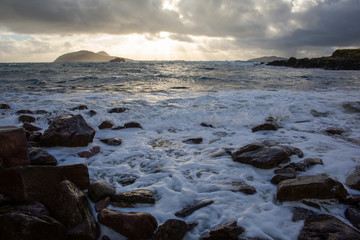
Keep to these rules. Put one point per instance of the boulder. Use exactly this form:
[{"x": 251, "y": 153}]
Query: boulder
[
  {"x": 31, "y": 183},
  {"x": 353, "y": 179},
  {"x": 105, "y": 125},
  {"x": 74, "y": 212},
  {"x": 132, "y": 125},
  {"x": 353, "y": 215},
  {"x": 117, "y": 110},
  {"x": 192, "y": 208},
  {"x": 13, "y": 147},
  {"x": 26, "y": 118},
  {"x": 133, "y": 225},
  {"x": 173, "y": 229},
  {"x": 228, "y": 231},
  {"x": 326, "y": 227},
  {"x": 19, "y": 225},
  {"x": 31, "y": 128},
  {"x": 265, "y": 156},
  {"x": 88, "y": 154},
  {"x": 39, "y": 156},
  {"x": 193, "y": 140},
  {"x": 112, "y": 141},
  {"x": 4, "y": 106},
  {"x": 137, "y": 196},
  {"x": 316, "y": 187},
  {"x": 99, "y": 190},
  {"x": 69, "y": 131}
]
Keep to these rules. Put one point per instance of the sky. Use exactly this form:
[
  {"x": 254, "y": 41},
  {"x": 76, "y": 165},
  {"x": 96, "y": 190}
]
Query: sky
[{"x": 42, "y": 30}]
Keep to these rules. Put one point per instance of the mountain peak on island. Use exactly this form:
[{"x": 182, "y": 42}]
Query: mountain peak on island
[
  {"x": 266, "y": 59},
  {"x": 87, "y": 56}
]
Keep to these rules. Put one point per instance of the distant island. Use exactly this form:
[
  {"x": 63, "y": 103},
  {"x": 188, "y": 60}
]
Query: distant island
[
  {"x": 341, "y": 59},
  {"x": 88, "y": 56},
  {"x": 267, "y": 59}
]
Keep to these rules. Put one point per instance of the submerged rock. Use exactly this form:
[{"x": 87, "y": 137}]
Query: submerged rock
[
  {"x": 265, "y": 156},
  {"x": 316, "y": 186},
  {"x": 301, "y": 214},
  {"x": 327, "y": 227},
  {"x": 105, "y": 125},
  {"x": 133, "y": 225},
  {"x": 206, "y": 125},
  {"x": 173, "y": 229},
  {"x": 80, "y": 107},
  {"x": 353, "y": 179},
  {"x": 334, "y": 131},
  {"x": 117, "y": 110},
  {"x": 39, "y": 156},
  {"x": 244, "y": 188},
  {"x": 192, "y": 208},
  {"x": 69, "y": 131},
  {"x": 228, "y": 231},
  {"x": 132, "y": 125},
  {"x": 193, "y": 140}
]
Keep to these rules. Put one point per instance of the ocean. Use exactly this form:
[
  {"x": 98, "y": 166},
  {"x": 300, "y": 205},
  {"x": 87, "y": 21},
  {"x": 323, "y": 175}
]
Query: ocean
[{"x": 170, "y": 100}]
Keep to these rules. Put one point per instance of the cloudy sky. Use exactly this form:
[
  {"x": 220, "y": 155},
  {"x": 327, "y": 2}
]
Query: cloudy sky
[{"x": 41, "y": 30}]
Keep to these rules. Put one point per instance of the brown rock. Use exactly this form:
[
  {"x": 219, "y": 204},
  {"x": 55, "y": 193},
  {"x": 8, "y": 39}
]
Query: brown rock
[
  {"x": 99, "y": 190},
  {"x": 132, "y": 125},
  {"x": 353, "y": 215},
  {"x": 24, "y": 112},
  {"x": 316, "y": 186},
  {"x": 265, "y": 156},
  {"x": 36, "y": 209},
  {"x": 228, "y": 231},
  {"x": 80, "y": 107},
  {"x": 106, "y": 124},
  {"x": 101, "y": 204},
  {"x": 326, "y": 227},
  {"x": 31, "y": 183},
  {"x": 193, "y": 140},
  {"x": 303, "y": 165},
  {"x": 283, "y": 174},
  {"x": 13, "y": 147},
  {"x": 88, "y": 154},
  {"x": 192, "y": 208},
  {"x": 206, "y": 125},
  {"x": 35, "y": 138},
  {"x": 133, "y": 225},
  {"x": 244, "y": 188},
  {"x": 26, "y": 118},
  {"x": 118, "y": 110},
  {"x": 18, "y": 225},
  {"x": 353, "y": 179},
  {"x": 137, "y": 196},
  {"x": 112, "y": 141},
  {"x": 268, "y": 126},
  {"x": 68, "y": 130},
  {"x": 334, "y": 131},
  {"x": 39, "y": 156},
  {"x": 4, "y": 106},
  {"x": 172, "y": 229},
  {"x": 31, "y": 128}
]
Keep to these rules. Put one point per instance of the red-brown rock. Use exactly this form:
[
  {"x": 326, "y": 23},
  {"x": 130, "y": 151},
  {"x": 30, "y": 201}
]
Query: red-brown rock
[
  {"x": 26, "y": 118},
  {"x": 88, "y": 154}
]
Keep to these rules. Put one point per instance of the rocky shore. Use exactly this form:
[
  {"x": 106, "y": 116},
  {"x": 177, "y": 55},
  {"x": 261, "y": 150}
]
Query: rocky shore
[
  {"x": 344, "y": 59},
  {"x": 40, "y": 200}
]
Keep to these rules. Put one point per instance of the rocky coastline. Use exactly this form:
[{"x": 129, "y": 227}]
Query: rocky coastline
[
  {"x": 343, "y": 59},
  {"x": 40, "y": 200}
]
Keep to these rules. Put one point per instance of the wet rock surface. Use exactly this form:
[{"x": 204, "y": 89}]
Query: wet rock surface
[
  {"x": 117, "y": 110},
  {"x": 39, "y": 156},
  {"x": 228, "y": 231},
  {"x": 353, "y": 215},
  {"x": 27, "y": 118},
  {"x": 105, "y": 125},
  {"x": 172, "y": 229},
  {"x": 192, "y": 208},
  {"x": 88, "y": 154},
  {"x": 353, "y": 179},
  {"x": 111, "y": 141},
  {"x": 99, "y": 190},
  {"x": 31, "y": 128},
  {"x": 268, "y": 126},
  {"x": 136, "y": 196},
  {"x": 193, "y": 140}
]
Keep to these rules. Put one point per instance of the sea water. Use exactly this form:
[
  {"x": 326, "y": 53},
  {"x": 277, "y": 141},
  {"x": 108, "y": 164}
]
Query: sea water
[{"x": 170, "y": 100}]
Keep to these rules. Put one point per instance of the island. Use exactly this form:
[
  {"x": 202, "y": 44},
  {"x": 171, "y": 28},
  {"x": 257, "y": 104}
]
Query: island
[
  {"x": 341, "y": 59},
  {"x": 89, "y": 56},
  {"x": 266, "y": 59}
]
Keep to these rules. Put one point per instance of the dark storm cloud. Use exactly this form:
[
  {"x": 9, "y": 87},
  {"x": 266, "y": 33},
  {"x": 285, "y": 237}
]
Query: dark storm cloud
[{"x": 275, "y": 24}]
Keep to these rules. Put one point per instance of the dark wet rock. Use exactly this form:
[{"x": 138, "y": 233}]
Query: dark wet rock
[
  {"x": 112, "y": 141},
  {"x": 268, "y": 126},
  {"x": 118, "y": 110},
  {"x": 69, "y": 131},
  {"x": 206, "y": 125},
  {"x": 13, "y": 147},
  {"x": 265, "y": 156},
  {"x": 192, "y": 208},
  {"x": 88, "y": 154},
  {"x": 6, "y": 208},
  {"x": 80, "y": 107},
  {"x": 42, "y": 112},
  {"x": 35, "y": 137},
  {"x": 228, "y": 231},
  {"x": 301, "y": 214},
  {"x": 352, "y": 200},
  {"x": 353, "y": 179},
  {"x": 99, "y": 190},
  {"x": 31, "y": 128},
  {"x": 281, "y": 177},
  {"x": 118, "y": 128},
  {"x": 172, "y": 229},
  {"x": 39, "y": 156},
  {"x": 36, "y": 209},
  {"x": 311, "y": 204},
  {"x": 303, "y": 165},
  {"x": 19, "y": 225},
  {"x": 132, "y": 125},
  {"x": 326, "y": 227},
  {"x": 36, "y": 183},
  {"x": 4, "y": 106},
  {"x": 105, "y": 238},
  {"x": 101, "y": 204},
  {"x": 133, "y": 225},
  {"x": 137, "y": 196},
  {"x": 24, "y": 112},
  {"x": 105, "y": 125},
  {"x": 334, "y": 131},
  {"x": 285, "y": 171},
  {"x": 91, "y": 113},
  {"x": 4, "y": 199},
  {"x": 221, "y": 152},
  {"x": 353, "y": 215},
  {"x": 316, "y": 187},
  {"x": 244, "y": 188},
  {"x": 26, "y": 118},
  {"x": 74, "y": 212},
  {"x": 352, "y": 107},
  {"x": 193, "y": 140}
]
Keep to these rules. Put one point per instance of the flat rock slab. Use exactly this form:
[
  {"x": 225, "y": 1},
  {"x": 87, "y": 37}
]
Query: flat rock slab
[
  {"x": 192, "y": 208},
  {"x": 228, "y": 231},
  {"x": 315, "y": 186},
  {"x": 137, "y": 196},
  {"x": 353, "y": 179},
  {"x": 326, "y": 227},
  {"x": 133, "y": 225},
  {"x": 13, "y": 147},
  {"x": 265, "y": 156},
  {"x": 68, "y": 130}
]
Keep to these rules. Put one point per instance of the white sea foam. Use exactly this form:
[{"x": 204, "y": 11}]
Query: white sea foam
[{"x": 182, "y": 173}]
